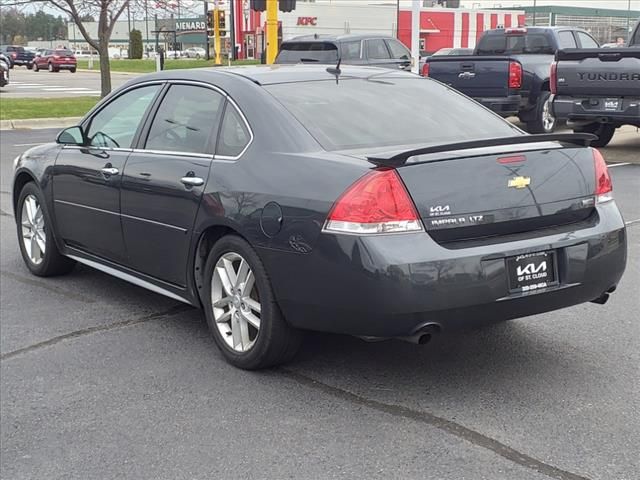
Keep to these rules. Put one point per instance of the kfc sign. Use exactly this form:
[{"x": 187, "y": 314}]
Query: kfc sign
[{"x": 308, "y": 21}]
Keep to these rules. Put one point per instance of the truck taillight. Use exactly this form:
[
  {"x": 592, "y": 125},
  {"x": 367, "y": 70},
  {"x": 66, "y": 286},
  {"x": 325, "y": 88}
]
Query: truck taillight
[
  {"x": 515, "y": 75},
  {"x": 604, "y": 186},
  {"x": 553, "y": 78},
  {"x": 376, "y": 203},
  {"x": 425, "y": 70}
]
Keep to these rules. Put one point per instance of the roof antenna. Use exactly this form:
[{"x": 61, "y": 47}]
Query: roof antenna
[{"x": 336, "y": 70}]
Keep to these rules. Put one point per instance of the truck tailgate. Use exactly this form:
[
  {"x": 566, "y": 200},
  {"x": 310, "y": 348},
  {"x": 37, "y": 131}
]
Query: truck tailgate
[
  {"x": 599, "y": 72},
  {"x": 472, "y": 75}
]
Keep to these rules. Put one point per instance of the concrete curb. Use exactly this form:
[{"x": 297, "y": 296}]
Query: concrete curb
[
  {"x": 86, "y": 70},
  {"x": 36, "y": 123}
]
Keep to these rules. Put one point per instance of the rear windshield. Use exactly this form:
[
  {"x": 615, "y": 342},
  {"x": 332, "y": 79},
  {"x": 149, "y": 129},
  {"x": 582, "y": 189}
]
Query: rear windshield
[
  {"x": 15, "y": 49},
  {"x": 514, "y": 44},
  {"x": 386, "y": 110},
  {"x": 64, "y": 53},
  {"x": 310, "y": 52}
]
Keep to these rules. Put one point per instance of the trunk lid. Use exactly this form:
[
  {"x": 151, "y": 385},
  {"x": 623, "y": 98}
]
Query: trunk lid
[{"x": 497, "y": 191}]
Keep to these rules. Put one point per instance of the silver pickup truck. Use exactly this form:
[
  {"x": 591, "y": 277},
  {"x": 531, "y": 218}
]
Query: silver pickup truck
[{"x": 598, "y": 90}]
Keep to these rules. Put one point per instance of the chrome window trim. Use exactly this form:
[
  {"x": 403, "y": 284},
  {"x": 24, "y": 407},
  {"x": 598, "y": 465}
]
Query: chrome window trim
[
  {"x": 173, "y": 152},
  {"x": 95, "y": 147}
]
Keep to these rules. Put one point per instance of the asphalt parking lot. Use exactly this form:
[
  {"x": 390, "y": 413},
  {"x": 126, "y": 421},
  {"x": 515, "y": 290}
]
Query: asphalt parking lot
[
  {"x": 25, "y": 83},
  {"x": 102, "y": 379}
]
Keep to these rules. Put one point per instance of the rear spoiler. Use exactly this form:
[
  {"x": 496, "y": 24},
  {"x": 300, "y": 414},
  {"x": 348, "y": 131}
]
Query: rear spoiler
[{"x": 399, "y": 159}]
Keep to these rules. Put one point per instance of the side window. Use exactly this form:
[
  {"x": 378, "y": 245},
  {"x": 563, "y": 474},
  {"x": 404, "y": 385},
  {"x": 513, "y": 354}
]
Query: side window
[
  {"x": 350, "y": 50},
  {"x": 185, "y": 120},
  {"x": 234, "y": 135},
  {"x": 566, "y": 40},
  {"x": 586, "y": 41},
  {"x": 635, "y": 40},
  {"x": 116, "y": 124},
  {"x": 377, "y": 50},
  {"x": 398, "y": 50}
]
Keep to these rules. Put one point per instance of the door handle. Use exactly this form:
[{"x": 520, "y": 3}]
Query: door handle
[
  {"x": 110, "y": 171},
  {"x": 192, "y": 181}
]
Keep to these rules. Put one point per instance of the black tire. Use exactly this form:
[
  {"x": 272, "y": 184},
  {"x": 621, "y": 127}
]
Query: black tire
[
  {"x": 539, "y": 122},
  {"x": 53, "y": 263},
  {"x": 29, "y": 67},
  {"x": 276, "y": 342},
  {"x": 604, "y": 131},
  {"x": 72, "y": 70}
]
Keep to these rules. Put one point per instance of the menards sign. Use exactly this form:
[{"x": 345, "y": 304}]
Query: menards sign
[{"x": 191, "y": 25}]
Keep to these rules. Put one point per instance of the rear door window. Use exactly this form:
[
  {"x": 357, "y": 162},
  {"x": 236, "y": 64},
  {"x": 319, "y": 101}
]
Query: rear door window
[
  {"x": 377, "y": 50},
  {"x": 186, "y": 120},
  {"x": 586, "y": 41},
  {"x": 350, "y": 50},
  {"x": 566, "y": 39}
]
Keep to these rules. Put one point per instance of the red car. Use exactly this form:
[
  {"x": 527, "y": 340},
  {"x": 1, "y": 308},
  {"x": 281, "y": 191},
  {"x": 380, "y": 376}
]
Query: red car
[{"x": 55, "y": 60}]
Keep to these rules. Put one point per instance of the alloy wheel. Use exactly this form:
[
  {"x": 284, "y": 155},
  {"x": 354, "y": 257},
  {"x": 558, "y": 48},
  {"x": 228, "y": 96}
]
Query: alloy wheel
[
  {"x": 236, "y": 302},
  {"x": 50, "y": 67},
  {"x": 33, "y": 229}
]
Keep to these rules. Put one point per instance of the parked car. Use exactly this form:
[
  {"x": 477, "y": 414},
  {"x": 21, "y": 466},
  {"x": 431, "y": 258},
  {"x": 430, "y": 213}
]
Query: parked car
[
  {"x": 195, "y": 52},
  {"x": 374, "y": 50},
  {"x": 362, "y": 201},
  {"x": 598, "y": 92},
  {"x": 509, "y": 71},
  {"x": 4, "y": 70},
  {"x": 174, "y": 54},
  {"x": 55, "y": 60},
  {"x": 18, "y": 55},
  {"x": 85, "y": 54}
]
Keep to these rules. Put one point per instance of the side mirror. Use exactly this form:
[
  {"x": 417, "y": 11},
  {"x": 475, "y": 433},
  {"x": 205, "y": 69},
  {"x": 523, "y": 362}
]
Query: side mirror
[{"x": 71, "y": 136}]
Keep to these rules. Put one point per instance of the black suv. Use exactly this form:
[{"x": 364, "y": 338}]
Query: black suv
[{"x": 374, "y": 50}]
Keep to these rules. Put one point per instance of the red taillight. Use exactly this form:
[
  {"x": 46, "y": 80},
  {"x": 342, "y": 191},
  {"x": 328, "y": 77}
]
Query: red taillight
[
  {"x": 425, "y": 70},
  {"x": 14, "y": 55},
  {"x": 376, "y": 203},
  {"x": 515, "y": 75},
  {"x": 553, "y": 78},
  {"x": 514, "y": 159},
  {"x": 515, "y": 31},
  {"x": 604, "y": 187}
]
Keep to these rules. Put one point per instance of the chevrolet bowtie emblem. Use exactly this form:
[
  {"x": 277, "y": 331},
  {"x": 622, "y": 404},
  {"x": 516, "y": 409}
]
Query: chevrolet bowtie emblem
[{"x": 519, "y": 182}]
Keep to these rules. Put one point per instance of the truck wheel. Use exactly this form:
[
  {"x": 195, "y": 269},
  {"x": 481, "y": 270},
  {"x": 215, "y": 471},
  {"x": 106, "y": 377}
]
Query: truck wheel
[
  {"x": 543, "y": 120},
  {"x": 604, "y": 131}
]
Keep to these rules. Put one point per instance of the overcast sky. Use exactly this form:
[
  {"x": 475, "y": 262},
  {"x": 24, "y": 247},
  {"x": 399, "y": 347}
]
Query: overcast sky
[{"x": 618, "y": 4}]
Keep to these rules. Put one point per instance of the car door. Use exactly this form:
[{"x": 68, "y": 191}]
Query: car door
[
  {"x": 164, "y": 180},
  {"x": 86, "y": 179},
  {"x": 400, "y": 54}
]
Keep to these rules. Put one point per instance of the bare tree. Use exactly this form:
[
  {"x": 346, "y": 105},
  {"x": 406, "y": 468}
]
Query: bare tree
[{"x": 107, "y": 12}]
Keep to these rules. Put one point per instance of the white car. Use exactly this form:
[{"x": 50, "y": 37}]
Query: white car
[
  {"x": 195, "y": 52},
  {"x": 173, "y": 54}
]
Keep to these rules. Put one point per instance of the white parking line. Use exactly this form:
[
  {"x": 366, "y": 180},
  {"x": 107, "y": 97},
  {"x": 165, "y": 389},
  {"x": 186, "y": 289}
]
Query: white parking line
[
  {"x": 632, "y": 222},
  {"x": 55, "y": 88},
  {"x": 611, "y": 165},
  {"x": 27, "y": 144}
]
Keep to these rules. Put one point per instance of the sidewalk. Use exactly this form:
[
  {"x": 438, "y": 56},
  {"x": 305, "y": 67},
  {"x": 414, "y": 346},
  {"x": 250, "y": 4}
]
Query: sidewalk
[{"x": 36, "y": 123}]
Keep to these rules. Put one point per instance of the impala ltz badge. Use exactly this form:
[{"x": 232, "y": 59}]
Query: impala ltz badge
[{"x": 519, "y": 182}]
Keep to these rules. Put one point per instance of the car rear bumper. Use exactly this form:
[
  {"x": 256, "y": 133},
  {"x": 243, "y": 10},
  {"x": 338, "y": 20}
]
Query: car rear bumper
[
  {"x": 504, "y": 106},
  {"x": 392, "y": 285},
  {"x": 591, "y": 109}
]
